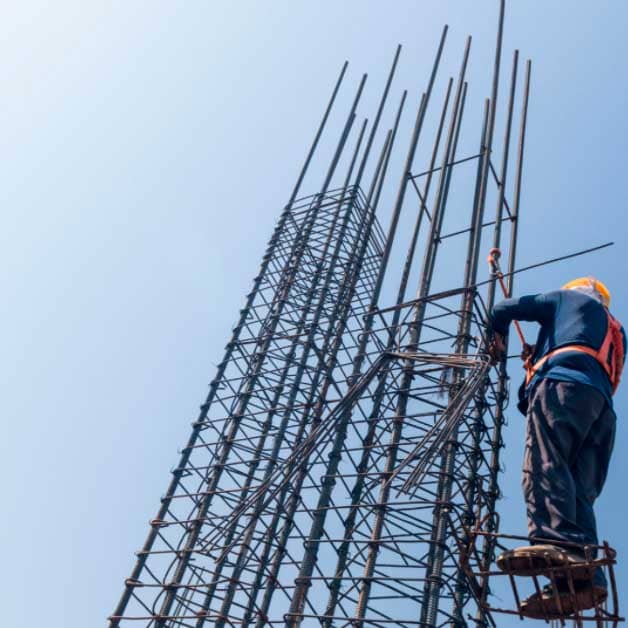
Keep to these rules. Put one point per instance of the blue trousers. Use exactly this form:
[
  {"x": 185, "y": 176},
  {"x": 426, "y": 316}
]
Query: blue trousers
[{"x": 569, "y": 440}]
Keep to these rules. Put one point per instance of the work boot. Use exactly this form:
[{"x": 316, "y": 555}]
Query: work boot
[
  {"x": 586, "y": 595},
  {"x": 525, "y": 561}
]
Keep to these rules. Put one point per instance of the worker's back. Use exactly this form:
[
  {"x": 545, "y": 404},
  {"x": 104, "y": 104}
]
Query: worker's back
[
  {"x": 573, "y": 319},
  {"x": 567, "y": 317}
]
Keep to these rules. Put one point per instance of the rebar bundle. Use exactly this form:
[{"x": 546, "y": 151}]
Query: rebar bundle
[{"x": 347, "y": 445}]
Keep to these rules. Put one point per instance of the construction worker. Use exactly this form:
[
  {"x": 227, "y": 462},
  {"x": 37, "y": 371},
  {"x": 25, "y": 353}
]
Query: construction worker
[{"x": 572, "y": 373}]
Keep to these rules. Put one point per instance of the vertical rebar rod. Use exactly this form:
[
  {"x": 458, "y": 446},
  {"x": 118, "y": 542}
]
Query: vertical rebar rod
[
  {"x": 408, "y": 369},
  {"x": 403, "y": 283},
  {"x": 475, "y": 236},
  {"x": 435, "y": 554},
  {"x": 378, "y": 116},
  {"x": 308, "y": 562},
  {"x": 519, "y": 171},
  {"x": 470, "y": 278},
  {"x": 355, "y": 154},
  {"x": 298, "y": 598},
  {"x": 318, "y": 135},
  {"x": 496, "y": 439},
  {"x": 493, "y": 490},
  {"x": 499, "y": 211},
  {"x": 500, "y": 395},
  {"x": 407, "y": 173},
  {"x": 493, "y": 108}
]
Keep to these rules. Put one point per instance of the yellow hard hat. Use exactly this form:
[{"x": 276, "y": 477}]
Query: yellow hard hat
[{"x": 590, "y": 282}]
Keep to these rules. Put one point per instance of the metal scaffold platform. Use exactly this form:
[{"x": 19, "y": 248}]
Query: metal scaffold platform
[
  {"x": 605, "y": 612},
  {"x": 343, "y": 470}
]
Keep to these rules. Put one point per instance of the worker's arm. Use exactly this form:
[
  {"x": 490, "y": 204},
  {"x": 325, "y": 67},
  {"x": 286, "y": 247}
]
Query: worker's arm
[{"x": 535, "y": 307}]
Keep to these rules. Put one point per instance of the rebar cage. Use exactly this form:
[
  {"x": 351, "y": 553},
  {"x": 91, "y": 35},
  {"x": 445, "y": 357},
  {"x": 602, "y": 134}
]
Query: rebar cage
[{"x": 346, "y": 449}]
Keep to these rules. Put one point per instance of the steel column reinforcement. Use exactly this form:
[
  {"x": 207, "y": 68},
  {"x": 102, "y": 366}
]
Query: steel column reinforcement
[{"x": 351, "y": 437}]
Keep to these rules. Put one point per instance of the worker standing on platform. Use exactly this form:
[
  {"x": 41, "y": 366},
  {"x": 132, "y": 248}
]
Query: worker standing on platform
[{"x": 572, "y": 372}]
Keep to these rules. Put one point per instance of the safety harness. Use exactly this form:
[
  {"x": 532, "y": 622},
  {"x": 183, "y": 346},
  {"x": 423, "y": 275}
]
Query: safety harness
[{"x": 610, "y": 355}]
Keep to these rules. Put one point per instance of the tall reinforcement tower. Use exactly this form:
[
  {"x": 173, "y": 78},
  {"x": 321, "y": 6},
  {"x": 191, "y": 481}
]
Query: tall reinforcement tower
[{"x": 352, "y": 433}]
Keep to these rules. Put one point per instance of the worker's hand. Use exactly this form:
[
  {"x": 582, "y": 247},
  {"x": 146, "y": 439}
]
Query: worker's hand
[
  {"x": 527, "y": 352},
  {"x": 497, "y": 348}
]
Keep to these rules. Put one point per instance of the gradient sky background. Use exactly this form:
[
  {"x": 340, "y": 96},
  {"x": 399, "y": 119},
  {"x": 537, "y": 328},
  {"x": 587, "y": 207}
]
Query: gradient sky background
[{"x": 148, "y": 149}]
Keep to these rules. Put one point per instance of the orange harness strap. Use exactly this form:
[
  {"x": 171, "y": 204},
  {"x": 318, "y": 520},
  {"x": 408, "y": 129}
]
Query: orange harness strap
[
  {"x": 603, "y": 355},
  {"x": 531, "y": 371}
]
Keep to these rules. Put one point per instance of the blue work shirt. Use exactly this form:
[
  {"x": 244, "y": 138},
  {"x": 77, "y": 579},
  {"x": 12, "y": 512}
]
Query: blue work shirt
[{"x": 567, "y": 317}]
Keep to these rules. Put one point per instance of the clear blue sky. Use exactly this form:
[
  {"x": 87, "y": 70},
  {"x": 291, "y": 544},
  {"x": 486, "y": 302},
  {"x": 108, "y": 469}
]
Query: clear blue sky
[{"x": 147, "y": 150}]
